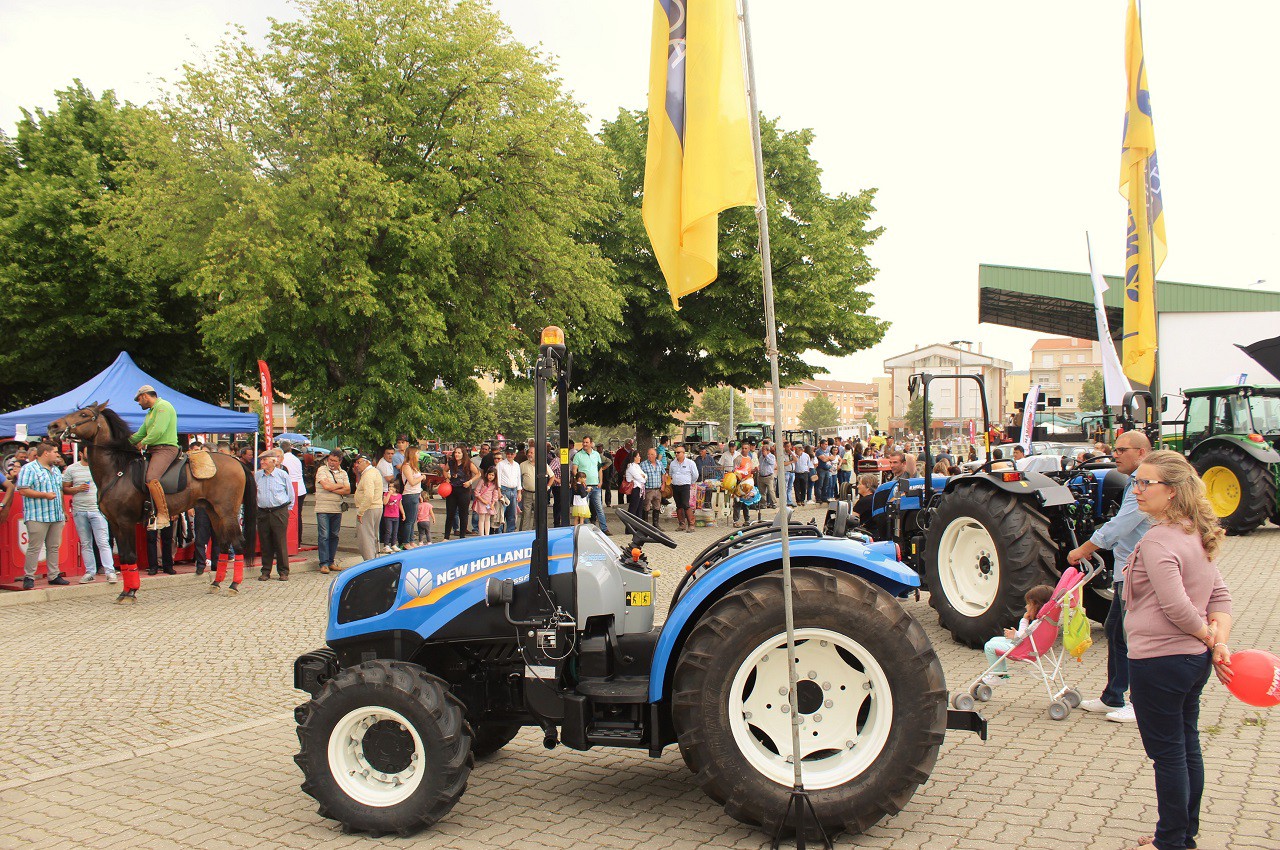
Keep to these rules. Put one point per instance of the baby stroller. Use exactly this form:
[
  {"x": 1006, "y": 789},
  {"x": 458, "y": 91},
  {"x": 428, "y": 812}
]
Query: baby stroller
[{"x": 1038, "y": 647}]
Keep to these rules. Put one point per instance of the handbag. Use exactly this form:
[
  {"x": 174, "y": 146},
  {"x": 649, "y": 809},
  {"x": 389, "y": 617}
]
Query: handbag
[
  {"x": 813, "y": 477},
  {"x": 626, "y": 487},
  {"x": 666, "y": 487}
]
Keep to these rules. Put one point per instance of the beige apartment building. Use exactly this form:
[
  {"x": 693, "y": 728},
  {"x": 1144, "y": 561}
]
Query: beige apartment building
[
  {"x": 953, "y": 402},
  {"x": 1061, "y": 365},
  {"x": 851, "y": 398}
]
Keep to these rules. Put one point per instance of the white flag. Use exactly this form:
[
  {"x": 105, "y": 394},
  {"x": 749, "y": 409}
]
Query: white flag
[
  {"x": 1029, "y": 418},
  {"x": 1113, "y": 377}
]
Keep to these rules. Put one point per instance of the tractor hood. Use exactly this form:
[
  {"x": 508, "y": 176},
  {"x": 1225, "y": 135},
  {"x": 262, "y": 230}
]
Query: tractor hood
[{"x": 422, "y": 589}]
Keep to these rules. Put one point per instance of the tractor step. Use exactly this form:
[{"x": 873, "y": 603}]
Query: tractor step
[{"x": 620, "y": 689}]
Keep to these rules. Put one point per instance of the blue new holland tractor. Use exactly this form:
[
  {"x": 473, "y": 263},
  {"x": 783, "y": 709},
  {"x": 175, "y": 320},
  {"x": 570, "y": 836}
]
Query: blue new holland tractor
[
  {"x": 438, "y": 656},
  {"x": 980, "y": 540}
]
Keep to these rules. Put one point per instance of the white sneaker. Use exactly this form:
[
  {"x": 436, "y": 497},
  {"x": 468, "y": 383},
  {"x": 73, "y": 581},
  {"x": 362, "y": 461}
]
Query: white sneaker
[
  {"x": 993, "y": 680},
  {"x": 1123, "y": 715},
  {"x": 1098, "y": 706},
  {"x": 87, "y": 578},
  {"x": 111, "y": 578}
]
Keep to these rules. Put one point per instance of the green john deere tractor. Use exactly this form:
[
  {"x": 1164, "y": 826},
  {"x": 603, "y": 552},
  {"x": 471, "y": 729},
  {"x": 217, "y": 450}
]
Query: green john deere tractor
[{"x": 1231, "y": 435}]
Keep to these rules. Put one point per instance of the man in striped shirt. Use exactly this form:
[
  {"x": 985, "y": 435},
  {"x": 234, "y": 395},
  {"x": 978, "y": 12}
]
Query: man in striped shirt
[{"x": 40, "y": 483}]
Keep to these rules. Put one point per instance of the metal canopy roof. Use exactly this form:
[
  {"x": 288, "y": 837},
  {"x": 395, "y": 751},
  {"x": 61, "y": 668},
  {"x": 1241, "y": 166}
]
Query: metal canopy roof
[{"x": 1061, "y": 303}]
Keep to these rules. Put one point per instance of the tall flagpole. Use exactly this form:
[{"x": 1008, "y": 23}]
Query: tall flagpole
[{"x": 799, "y": 802}]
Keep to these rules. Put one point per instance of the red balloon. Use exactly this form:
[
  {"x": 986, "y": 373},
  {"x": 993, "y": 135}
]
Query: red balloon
[
  {"x": 444, "y": 490},
  {"x": 1255, "y": 677}
]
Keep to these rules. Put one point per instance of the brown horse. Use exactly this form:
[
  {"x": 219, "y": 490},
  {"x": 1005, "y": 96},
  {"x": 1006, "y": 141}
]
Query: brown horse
[{"x": 116, "y": 466}]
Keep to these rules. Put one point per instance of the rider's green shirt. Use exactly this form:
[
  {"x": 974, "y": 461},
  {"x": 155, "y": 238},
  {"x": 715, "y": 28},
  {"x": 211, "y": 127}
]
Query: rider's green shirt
[{"x": 160, "y": 428}]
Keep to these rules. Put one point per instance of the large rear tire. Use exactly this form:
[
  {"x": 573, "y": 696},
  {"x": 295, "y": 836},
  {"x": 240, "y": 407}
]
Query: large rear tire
[
  {"x": 1241, "y": 490},
  {"x": 985, "y": 548},
  {"x": 384, "y": 748},
  {"x": 872, "y": 697}
]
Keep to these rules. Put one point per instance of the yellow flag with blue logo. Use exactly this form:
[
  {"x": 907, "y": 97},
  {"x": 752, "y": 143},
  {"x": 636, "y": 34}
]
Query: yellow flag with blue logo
[
  {"x": 699, "y": 159},
  {"x": 1145, "y": 246}
]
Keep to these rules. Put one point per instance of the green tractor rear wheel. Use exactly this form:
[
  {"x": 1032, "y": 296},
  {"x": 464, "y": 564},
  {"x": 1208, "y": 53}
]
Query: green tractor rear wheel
[{"x": 1241, "y": 490}]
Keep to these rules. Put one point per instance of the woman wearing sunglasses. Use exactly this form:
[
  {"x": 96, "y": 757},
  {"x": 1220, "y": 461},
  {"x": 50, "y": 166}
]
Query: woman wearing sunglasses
[{"x": 1178, "y": 620}]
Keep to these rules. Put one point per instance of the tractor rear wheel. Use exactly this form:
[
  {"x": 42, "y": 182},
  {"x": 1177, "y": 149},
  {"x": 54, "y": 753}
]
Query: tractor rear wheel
[
  {"x": 1241, "y": 490},
  {"x": 871, "y": 697},
  {"x": 384, "y": 748},
  {"x": 985, "y": 548}
]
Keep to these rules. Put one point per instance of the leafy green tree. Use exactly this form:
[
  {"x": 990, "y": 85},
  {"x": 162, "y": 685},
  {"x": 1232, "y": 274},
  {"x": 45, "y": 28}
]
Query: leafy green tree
[
  {"x": 818, "y": 412},
  {"x": 68, "y": 308},
  {"x": 1092, "y": 396},
  {"x": 916, "y": 414},
  {"x": 872, "y": 419},
  {"x": 461, "y": 414},
  {"x": 513, "y": 409},
  {"x": 400, "y": 193},
  {"x": 820, "y": 269},
  {"x": 714, "y": 407}
]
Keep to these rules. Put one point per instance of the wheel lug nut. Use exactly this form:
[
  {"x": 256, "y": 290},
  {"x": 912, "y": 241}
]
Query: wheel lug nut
[
  {"x": 826, "y": 686},
  {"x": 817, "y": 718},
  {"x": 782, "y": 692},
  {"x": 786, "y": 709},
  {"x": 827, "y": 704},
  {"x": 813, "y": 674}
]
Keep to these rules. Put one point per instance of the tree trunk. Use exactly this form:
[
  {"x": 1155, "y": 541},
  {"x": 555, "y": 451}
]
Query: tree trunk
[{"x": 644, "y": 439}]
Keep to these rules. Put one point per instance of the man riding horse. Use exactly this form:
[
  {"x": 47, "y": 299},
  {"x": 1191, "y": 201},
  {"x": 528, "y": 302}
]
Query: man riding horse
[{"x": 158, "y": 437}]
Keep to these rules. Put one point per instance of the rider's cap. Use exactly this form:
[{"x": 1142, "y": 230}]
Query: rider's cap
[
  {"x": 511, "y": 449},
  {"x": 145, "y": 388}
]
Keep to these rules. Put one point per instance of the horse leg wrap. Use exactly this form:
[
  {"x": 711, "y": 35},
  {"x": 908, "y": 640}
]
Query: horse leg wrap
[
  {"x": 222, "y": 569},
  {"x": 129, "y": 575},
  {"x": 237, "y": 573}
]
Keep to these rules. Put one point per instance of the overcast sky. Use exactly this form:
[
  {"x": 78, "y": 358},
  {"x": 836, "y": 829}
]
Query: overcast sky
[{"x": 991, "y": 129}]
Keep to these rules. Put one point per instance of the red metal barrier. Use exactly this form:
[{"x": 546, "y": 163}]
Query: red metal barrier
[{"x": 13, "y": 547}]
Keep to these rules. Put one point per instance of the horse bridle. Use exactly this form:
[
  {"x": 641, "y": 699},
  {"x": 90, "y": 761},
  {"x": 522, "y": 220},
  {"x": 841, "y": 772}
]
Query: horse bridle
[{"x": 70, "y": 436}]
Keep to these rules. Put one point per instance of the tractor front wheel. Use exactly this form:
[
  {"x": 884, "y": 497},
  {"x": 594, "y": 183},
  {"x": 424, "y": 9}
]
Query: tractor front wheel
[
  {"x": 1241, "y": 490},
  {"x": 384, "y": 748},
  {"x": 871, "y": 701},
  {"x": 985, "y": 548}
]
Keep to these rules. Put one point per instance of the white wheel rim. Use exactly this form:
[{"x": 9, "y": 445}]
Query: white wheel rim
[
  {"x": 968, "y": 566},
  {"x": 362, "y": 779},
  {"x": 846, "y": 713}
]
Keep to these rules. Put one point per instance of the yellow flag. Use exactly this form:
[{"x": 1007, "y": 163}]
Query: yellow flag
[
  {"x": 700, "y": 159},
  {"x": 1145, "y": 246}
]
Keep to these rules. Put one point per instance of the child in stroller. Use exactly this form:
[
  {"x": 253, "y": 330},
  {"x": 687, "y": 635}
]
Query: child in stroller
[{"x": 1000, "y": 645}]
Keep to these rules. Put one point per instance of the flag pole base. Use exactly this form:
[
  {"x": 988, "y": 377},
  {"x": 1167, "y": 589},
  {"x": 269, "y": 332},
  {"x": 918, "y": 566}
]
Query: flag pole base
[{"x": 800, "y": 810}]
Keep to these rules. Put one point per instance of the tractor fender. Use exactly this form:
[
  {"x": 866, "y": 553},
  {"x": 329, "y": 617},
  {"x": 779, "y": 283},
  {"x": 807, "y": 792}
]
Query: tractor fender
[
  {"x": 1045, "y": 492},
  {"x": 1261, "y": 452},
  {"x": 875, "y": 562}
]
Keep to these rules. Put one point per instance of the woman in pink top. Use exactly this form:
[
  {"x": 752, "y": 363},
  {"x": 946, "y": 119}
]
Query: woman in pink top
[{"x": 1177, "y": 620}]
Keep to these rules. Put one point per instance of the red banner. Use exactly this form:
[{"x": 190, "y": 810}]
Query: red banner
[{"x": 268, "y": 402}]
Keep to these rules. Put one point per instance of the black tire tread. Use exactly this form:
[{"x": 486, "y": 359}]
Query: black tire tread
[
  {"x": 1027, "y": 559},
  {"x": 926, "y": 707},
  {"x": 447, "y": 711},
  {"x": 1258, "y": 487}
]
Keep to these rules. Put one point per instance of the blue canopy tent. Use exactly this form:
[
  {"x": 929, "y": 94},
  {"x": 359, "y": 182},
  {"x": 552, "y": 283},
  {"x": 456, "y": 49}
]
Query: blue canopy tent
[{"x": 117, "y": 384}]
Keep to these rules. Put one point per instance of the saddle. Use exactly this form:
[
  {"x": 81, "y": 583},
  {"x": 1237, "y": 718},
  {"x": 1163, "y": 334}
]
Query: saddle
[{"x": 173, "y": 480}]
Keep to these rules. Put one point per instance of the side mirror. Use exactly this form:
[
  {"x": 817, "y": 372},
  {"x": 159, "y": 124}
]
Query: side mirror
[{"x": 499, "y": 591}]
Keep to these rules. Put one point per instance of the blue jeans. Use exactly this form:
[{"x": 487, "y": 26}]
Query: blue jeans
[
  {"x": 791, "y": 488},
  {"x": 824, "y": 484},
  {"x": 842, "y": 477},
  {"x": 596, "y": 499},
  {"x": 410, "y": 503},
  {"x": 91, "y": 527},
  {"x": 328, "y": 526},
  {"x": 1165, "y": 692},
  {"x": 509, "y": 512},
  {"x": 1117, "y": 652}
]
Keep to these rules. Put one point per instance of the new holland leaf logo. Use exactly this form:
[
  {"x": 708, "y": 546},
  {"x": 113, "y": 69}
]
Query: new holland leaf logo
[{"x": 419, "y": 582}]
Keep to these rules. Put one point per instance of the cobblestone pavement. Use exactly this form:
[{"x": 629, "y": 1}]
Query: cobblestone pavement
[{"x": 169, "y": 724}]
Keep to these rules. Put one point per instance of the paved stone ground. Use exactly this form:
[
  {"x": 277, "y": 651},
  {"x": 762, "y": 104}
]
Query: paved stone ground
[{"x": 169, "y": 724}]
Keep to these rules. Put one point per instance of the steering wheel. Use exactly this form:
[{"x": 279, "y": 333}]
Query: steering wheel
[{"x": 642, "y": 532}]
